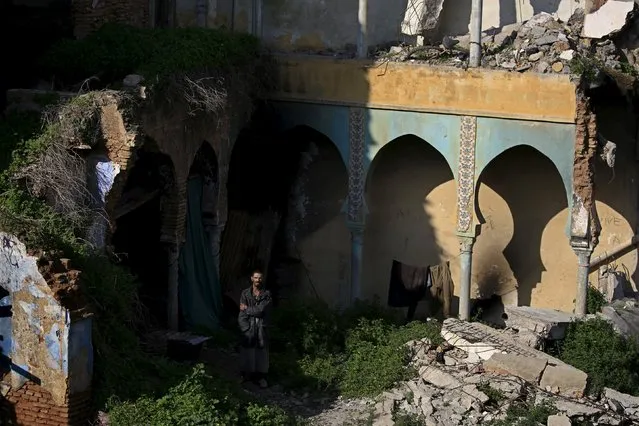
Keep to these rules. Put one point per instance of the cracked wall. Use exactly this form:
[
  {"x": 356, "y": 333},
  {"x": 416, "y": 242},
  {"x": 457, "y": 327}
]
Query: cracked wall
[
  {"x": 585, "y": 226},
  {"x": 51, "y": 348}
]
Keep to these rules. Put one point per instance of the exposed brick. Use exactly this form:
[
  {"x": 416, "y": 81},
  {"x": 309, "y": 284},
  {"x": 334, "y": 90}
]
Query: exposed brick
[{"x": 33, "y": 405}]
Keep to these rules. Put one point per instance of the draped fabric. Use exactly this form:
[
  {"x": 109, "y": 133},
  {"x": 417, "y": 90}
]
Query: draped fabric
[{"x": 200, "y": 290}]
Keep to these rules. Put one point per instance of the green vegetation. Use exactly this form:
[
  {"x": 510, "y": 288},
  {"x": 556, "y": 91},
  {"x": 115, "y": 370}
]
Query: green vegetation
[
  {"x": 116, "y": 50},
  {"x": 359, "y": 352},
  {"x": 37, "y": 166},
  {"x": 595, "y": 300},
  {"x": 610, "y": 360},
  {"x": 523, "y": 414}
]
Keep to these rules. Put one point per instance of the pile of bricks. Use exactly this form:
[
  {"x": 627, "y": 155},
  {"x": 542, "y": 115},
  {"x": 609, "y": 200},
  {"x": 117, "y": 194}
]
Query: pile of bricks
[{"x": 32, "y": 405}]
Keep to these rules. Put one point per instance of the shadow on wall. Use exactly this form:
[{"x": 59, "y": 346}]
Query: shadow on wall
[
  {"x": 299, "y": 179},
  {"x": 403, "y": 205},
  {"x": 534, "y": 193},
  {"x": 456, "y": 15},
  {"x": 616, "y": 190}
]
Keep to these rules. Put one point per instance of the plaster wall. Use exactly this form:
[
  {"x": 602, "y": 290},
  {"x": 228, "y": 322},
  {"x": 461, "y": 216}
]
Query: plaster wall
[
  {"x": 41, "y": 326},
  {"x": 321, "y": 26},
  {"x": 522, "y": 254},
  {"x": 523, "y": 170},
  {"x": 318, "y": 232},
  {"x": 415, "y": 87}
]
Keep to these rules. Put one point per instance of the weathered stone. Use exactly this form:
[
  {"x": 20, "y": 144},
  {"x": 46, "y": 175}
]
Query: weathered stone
[
  {"x": 509, "y": 385},
  {"x": 567, "y": 379},
  {"x": 547, "y": 323},
  {"x": 629, "y": 403},
  {"x": 558, "y": 67},
  {"x": 546, "y": 39},
  {"x": 421, "y": 16},
  {"x": 567, "y": 55},
  {"x": 475, "y": 393},
  {"x": 480, "y": 342},
  {"x": 608, "y": 19},
  {"x": 574, "y": 409},
  {"x": 529, "y": 369},
  {"x": 438, "y": 377},
  {"x": 132, "y": 80},
  {"x": 535, "y": 56},
  {"x": 558, "y": 420}
]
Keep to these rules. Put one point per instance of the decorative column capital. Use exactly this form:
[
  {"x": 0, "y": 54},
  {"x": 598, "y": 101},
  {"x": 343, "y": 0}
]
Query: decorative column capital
[{"x": 466, "y": 244}]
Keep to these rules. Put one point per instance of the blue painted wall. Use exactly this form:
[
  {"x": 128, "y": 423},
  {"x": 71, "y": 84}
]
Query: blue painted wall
[
  {"x": 5, "y": 330},
  {"x": 330, "y": 120},
  {"x": 439, "y": 130}
]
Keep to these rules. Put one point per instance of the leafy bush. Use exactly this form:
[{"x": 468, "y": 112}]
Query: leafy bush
[
  {"x": 523, "y": 414},
  {"x": 595, "y": 300},
  {"x": 609, "y": 359},
  {"x": 197, "y": 400},
  {"x": 116, "y": 50},
  {"x": 359, "y": 352}
]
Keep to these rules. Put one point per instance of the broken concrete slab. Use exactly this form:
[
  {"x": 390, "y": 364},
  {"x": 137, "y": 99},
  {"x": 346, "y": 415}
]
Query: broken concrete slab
[
  {"x": 624, "y": 315},
  {"x": 421, "y": 16},
  {"x": 608, "y": 19},
  {"x": 481, "y": 342},
  {"x": 629, "y": 403},
  {"x": 558, "y": 420},
  {"x": 574, "y": 409},
  {"x": 564, "y": 380},
  {"x": 529, "y": 369},
  {"x": 439, "y": 378},
  {"x": 547, "y": 323}
]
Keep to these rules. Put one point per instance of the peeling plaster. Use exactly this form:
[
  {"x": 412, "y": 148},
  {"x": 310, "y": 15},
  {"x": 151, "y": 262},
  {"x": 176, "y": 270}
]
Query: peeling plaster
[{"x": 40, "y": 327}]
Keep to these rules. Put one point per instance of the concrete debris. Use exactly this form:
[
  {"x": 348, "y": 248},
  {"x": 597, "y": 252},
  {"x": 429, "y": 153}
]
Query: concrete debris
[
  {"x": 459, "y": 395},
  {"x": 610, "y": 18},
  {"x": 421, "y": 16},
  {"x": 583, "y": 45},
  {"x": 624, "y": 315},
  {"x": 548, "y": 324},
  {"x": 529, "y": 369},
  {"x": 558, "y": 420}
]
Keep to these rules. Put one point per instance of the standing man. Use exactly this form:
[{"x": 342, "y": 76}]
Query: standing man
[{"x": 255, "y": 306}]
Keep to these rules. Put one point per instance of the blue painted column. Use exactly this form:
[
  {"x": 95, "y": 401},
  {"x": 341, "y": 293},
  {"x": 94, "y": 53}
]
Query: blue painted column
[
  {"x": 581, "y": 300},
  {"x": 356, "y": 208},
  {"x": 466, "y": 268},
  {"x": 466, "y": 230}
]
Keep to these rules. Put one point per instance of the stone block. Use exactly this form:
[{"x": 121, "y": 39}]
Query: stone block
[
  {"x": 567, "y": 380},
  {"x": 529, "y": 369},
  {"x": 439, "y": 378},
  {"x": 546, "y": 323},
  {"x": 558, "y": 420},
  {"x": 629, "y": 403}
]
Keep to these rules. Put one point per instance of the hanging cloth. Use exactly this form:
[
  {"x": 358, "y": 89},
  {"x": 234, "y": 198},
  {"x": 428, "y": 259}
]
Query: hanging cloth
[{"x": 200, "y": 291}]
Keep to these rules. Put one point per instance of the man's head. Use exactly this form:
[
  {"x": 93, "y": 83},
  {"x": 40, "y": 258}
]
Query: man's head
[{"x": 257, "y": 277}]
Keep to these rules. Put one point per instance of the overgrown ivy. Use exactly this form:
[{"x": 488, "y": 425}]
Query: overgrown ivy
[{"x": 116, "y": 50}]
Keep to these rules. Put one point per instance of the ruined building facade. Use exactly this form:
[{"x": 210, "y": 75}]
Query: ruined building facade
[{"x": 491, "y": 170}]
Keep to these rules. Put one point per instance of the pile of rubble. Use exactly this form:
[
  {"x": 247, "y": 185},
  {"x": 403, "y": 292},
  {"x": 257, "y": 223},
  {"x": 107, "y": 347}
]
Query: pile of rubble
[
  {"x": 543, "y": 44},
  {"x": 480, "y": 373}
]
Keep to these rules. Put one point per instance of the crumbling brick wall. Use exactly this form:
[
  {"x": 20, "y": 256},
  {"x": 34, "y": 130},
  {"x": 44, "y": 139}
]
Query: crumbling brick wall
[
  {"x": 33, "y": 405},
  {"x": 89, "y": 15},
  {"x": 585, "y": 222}
]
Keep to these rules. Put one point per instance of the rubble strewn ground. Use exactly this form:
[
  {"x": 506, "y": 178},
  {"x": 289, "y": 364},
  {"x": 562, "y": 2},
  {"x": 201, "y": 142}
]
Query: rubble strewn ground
[
  {"x": 458, "y": 389},
  {"x": 543, "y": 44},
  {"x": 479, "y": 376}
]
